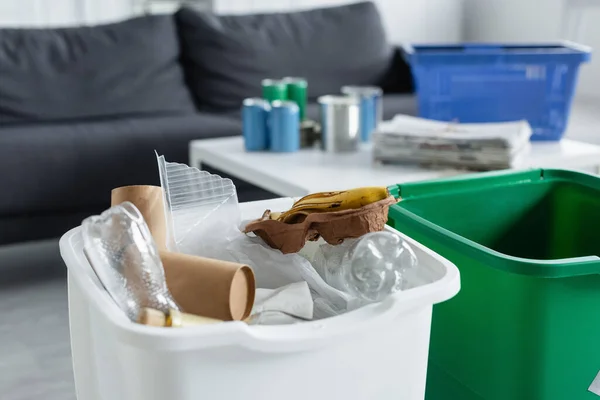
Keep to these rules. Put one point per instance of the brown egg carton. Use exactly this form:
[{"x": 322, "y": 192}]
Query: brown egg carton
[{"x": 334, "y": 226}]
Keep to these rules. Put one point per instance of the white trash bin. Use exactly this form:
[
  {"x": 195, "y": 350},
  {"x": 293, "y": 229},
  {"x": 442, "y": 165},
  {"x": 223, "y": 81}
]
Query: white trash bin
[{"x": 378, "y": 352}]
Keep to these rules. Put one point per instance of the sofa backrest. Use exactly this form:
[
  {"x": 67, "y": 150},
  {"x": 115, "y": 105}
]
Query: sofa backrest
[
  {"x": 226, "y": 57},
  {"x": 125, "y": 68}
]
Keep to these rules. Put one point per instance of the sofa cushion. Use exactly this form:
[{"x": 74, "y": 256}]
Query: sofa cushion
[
  {"x": 226, "y": 57},
  {"x": 66, "y": 167},
  {"x": 40, "y": 225},
  {"x": 126, "y": 68}
]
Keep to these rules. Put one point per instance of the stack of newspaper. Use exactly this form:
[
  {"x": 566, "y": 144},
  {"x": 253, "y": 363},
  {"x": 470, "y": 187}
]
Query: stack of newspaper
[{"x": 485, "y": 146}]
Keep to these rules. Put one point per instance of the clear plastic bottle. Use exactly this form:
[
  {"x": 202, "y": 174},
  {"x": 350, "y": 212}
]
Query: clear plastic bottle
[
  {"x": 122, "y": 253},
  {"x": 371, "y": 267}
]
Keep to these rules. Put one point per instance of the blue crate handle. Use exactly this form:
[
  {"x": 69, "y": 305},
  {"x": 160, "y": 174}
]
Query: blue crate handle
[
  {"x": 465, "y": 47},
  {"x": 557, "y": 50}
]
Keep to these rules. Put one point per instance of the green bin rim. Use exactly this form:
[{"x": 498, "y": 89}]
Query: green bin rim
[{"x": 559, "y": 268}]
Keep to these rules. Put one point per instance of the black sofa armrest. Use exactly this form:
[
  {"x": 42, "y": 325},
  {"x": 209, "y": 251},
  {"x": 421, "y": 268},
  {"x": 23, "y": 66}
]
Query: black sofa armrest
[{"x": 398, "y": 78}]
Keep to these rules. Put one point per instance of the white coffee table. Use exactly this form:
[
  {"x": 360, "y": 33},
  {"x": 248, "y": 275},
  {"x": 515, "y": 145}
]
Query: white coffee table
[{"x": 309, "y": 171}]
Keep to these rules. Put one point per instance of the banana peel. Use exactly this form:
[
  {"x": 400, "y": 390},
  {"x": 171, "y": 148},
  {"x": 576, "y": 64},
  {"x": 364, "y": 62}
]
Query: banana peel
[
  {"x": 333, "y": 226},
  {"x": 332, "y": 201}
]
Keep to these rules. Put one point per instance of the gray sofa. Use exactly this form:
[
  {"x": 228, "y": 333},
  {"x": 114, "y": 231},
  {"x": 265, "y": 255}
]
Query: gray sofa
[{"x": 83, "y": 109}]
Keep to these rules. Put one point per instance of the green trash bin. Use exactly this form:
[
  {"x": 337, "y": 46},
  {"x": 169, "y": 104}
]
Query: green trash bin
[{"x": 526, "y": 324}]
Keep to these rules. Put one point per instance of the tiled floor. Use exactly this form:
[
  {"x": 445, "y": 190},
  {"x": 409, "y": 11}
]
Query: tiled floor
[{"x": 35, "y": 358}]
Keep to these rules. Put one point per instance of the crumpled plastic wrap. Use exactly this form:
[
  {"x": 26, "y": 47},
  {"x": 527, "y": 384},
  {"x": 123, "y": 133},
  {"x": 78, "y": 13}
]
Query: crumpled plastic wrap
[
  {"x": 287, "y": 305},
  {"x": 120, "y": 248},
  {"x": 274, "y": 269},
  {"x": 201, "y": 209},
  {"x": 204, "y": 219},
  {"x": 326, "y": 254}
]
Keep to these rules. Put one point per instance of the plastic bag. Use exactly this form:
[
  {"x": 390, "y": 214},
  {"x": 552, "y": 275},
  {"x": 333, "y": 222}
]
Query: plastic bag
[
  {"x": 203, "y": 218},
  {"x": 201, "y": 209},
  {"x": 286, "y": 305},
  {"x": 274, "y": 269}
]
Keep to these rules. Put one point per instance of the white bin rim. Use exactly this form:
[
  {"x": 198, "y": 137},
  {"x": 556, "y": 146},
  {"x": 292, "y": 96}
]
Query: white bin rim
[{"x": 284, "y": 338}]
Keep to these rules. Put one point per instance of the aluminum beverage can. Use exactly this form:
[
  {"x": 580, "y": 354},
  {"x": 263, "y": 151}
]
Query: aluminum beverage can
[
  {"x": 255, "y": 130},
  {"x": 274, "y": 89},
  {"x": 297, "y": 89},
  {"x": 284, "y": 126},
  {"x": 371, "y": 108},
  {"x": 340, "y": 123}
]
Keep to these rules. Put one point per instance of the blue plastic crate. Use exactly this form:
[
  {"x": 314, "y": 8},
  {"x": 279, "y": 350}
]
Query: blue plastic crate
[{"x": 495, "y": 83}]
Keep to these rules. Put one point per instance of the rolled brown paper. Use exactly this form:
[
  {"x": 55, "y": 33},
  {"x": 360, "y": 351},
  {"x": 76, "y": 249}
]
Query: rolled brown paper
[
  {"x": 210, "y": 288},
  {"x": 149, "y": 200}
]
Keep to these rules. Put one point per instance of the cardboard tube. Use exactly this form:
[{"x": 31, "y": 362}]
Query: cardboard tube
[
  {"x": 210, "y": 288},
  {"x": 149, "y": 200}
]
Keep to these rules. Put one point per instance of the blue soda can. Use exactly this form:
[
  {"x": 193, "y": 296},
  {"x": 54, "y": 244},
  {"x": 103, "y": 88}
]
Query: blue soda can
[
  {"x": 255, "y": 115},
  {"x": 371, "y": 108},
  {"x": 284, "y": 126}
]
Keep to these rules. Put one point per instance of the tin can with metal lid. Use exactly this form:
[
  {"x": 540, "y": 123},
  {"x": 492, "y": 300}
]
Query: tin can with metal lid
[
  {"x": 297, "y": 91},
  {"x": 274, "y": 89},
  {"x": 340, "y": 119},
  {"x": 255, "y": 114},
  {"x": 284, "y": 126},
  {"x": 371, "y": 108}
]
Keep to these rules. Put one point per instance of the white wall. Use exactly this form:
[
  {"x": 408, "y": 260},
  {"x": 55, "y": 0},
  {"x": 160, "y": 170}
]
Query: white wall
[
  {"x": 35, "y": 12},
  {"x": 62, "y": 12},
  {"x": 531, "y": 21},
  {"x": 74, "y": 12},
  {"x": 405, "y": 20}
]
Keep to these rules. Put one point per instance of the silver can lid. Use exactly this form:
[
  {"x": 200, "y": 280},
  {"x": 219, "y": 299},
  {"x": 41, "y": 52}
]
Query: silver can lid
[
  {"x": 338, "y": 100},
  {"x": 362, "y": 90}
]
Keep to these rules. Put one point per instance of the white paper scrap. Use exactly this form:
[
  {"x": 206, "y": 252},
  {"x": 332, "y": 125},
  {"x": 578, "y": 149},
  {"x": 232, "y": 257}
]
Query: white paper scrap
[{"x": 595, "y": 386}]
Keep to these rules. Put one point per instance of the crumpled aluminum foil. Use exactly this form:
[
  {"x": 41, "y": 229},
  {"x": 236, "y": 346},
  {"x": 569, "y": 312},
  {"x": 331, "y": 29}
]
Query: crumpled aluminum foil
[{"x": 122, "y": 252}]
